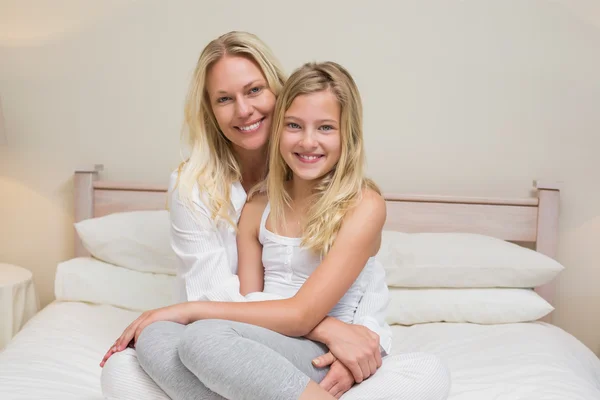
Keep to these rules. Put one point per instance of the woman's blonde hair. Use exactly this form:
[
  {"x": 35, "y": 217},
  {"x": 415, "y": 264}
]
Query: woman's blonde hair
[
  {"x": 212, "y": 164},
  {"x": 342, "y": 187}
]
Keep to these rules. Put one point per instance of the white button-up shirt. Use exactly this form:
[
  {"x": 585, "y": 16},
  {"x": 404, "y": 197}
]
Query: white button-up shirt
[{"x": 207, "y": 254}]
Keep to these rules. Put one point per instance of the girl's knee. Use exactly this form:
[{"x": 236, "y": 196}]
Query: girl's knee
[
  {"x": 203, "y": 341},
  {"x": 155, "y": 337}
]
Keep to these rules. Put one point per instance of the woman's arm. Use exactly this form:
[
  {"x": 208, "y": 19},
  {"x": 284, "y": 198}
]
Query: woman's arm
[
  {"x": 250, "y": 268},
  {"x": 372, "y": 309},
  {"x": 357, "y": 240},
  {"x": 203, "y": 260}
]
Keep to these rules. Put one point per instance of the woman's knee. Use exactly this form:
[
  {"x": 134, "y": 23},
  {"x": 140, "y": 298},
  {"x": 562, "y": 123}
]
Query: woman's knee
[
  {"x": 436, "y": 372},
  {"x": 123, "y": 378},
  {"x": 433, "y": 374}
]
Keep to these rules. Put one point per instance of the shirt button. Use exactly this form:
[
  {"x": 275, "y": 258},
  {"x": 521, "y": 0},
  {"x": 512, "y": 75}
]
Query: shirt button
[{"x": 289, "y": 250}]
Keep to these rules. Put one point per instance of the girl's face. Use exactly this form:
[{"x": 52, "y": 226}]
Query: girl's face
[
  {"x": 241, "y": 101},
  {"x": 310, "y": 140}
]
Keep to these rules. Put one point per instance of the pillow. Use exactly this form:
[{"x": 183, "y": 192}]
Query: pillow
[
  {"x": 93, "y": 281},
  {"x": 480, "y": 306},
  {"x": 437, "y": 260},
  {"x": 138, "y": 240}
]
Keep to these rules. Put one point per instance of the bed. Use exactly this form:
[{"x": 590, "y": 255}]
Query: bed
[{"x": 57, "y": 354}]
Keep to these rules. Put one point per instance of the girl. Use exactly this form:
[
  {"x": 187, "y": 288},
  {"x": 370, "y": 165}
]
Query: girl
[
  {"x": 228, "y": 117},
  {"x": 324, "y": 218}
]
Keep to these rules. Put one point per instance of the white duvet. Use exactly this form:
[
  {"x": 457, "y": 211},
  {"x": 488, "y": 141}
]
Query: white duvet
[
  {"x": 533, "y": 361},
  {"x": 56, "y": 356}
]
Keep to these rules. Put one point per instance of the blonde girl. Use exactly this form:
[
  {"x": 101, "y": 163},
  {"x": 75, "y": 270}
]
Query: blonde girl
[
  {"x": 228, "y": 118},
  {"x": 306, "y": 249}
]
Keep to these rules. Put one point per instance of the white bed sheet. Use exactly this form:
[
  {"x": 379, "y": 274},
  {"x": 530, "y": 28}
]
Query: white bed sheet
[
  {"x": 58, "y": 352},
  {"x": 56, "y": 356},
  {"x": 527, "y": 361}
]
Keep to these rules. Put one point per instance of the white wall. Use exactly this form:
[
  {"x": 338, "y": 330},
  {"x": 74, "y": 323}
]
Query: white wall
[{"x": 461, "y": 97}]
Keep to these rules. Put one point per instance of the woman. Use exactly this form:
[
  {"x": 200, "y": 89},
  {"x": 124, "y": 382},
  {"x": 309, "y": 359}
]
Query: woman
[
  {"x": 320, "y": 206},
  {"x": 228, "y": 118}
]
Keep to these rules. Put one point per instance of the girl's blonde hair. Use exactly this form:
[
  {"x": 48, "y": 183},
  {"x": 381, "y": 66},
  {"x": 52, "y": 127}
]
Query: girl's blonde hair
[
  {"x": 212, "y": 164},
  {"x": 342, "y": 187}
]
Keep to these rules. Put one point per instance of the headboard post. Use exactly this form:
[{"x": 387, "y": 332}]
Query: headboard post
[
  {"x": 547, "y": 231},
  {"x": 84, "y": 200}
]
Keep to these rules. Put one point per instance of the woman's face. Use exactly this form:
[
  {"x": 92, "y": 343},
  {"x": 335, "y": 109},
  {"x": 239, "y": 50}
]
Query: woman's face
[{"x": 241, "y": 101}]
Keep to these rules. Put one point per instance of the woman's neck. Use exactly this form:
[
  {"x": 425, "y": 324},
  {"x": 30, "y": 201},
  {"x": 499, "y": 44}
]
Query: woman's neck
[{"x": 253, "y": 164}]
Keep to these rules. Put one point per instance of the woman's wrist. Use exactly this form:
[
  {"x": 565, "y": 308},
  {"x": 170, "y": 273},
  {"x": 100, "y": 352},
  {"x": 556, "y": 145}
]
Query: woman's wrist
[{"x": 323, "y": 332}]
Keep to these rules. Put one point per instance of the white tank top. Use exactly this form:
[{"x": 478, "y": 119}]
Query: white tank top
[{"x": 287, "y": 266}]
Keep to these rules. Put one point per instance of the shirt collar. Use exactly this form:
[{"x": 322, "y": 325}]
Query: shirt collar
[{"x": 238, "y": 197}]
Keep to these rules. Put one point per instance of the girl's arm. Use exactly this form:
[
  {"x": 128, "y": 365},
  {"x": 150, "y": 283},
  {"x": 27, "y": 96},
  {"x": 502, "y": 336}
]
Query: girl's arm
[
  {"x": 250, "y": 268},
  {"x": 357, "y": 240}
]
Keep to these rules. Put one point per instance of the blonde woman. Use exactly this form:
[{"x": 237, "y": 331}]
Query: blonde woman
[
  {"x": 228, "y": 118},
  {"x": 306, "y": 249}
]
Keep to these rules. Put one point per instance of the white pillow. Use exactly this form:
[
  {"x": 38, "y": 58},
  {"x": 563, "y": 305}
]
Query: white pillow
[
  {"x": 462, "y": 260},
  {"x": 138, "y": 240},
  {"x": 94, "y": 281},
  {"x": 480, "y": 306}
]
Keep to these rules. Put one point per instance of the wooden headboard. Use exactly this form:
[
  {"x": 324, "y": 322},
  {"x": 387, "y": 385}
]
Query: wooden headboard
[{"x": 532, "y": 220}]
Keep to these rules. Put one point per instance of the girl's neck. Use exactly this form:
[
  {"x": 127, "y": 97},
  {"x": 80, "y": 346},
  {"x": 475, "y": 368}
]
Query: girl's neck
[
  {"x": 253, "y": 164},
  {"x": 300, "y": 191}
]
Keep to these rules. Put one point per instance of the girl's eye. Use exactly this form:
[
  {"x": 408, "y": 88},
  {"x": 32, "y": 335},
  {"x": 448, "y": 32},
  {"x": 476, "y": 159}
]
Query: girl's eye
[
  {"x": 293, "y": 125},
  {"x": 327, "y": 128},
  {"x": 222, "y": 99},
  {"x": 255, "y": 90}
]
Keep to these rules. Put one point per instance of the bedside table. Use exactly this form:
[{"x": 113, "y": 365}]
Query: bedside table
[{"x": 18, "y": 300}]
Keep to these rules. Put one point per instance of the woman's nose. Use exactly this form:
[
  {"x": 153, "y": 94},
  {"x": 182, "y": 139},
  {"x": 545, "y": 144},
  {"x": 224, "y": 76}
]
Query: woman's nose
[{"x": 244, "y": 109}]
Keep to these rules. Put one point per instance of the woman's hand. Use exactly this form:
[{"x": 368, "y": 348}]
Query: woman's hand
[
  {"x": 175, "y": 313},
  {"x": 355, "y": 346}
]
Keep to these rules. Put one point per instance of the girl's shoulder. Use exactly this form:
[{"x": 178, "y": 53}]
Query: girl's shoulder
[
  {"x": 256, "y": 203},
  {"x": 254, "y": 208},
  {"x": 371, "y": 199}
]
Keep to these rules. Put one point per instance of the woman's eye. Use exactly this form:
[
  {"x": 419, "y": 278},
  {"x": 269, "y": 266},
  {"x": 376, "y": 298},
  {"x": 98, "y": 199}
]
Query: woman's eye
[
  {"x": 255, "y": 90},
  {"x": 327, "y": 128},
  {"x": 293, "y": 125},
  {"x": 222, "y": 99}
]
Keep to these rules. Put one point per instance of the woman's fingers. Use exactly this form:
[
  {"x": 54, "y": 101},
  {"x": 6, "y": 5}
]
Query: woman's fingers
[
  {"x": 357, "y": 372},
  {"x": 372, "y": 366},
  {"x": 365, "y": 368}
]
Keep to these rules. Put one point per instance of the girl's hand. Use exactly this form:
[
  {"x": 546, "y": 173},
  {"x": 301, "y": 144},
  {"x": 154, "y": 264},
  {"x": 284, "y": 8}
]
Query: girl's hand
[
  {"x": 338, "y": 380},
  {"x": 175, "y": 313}
]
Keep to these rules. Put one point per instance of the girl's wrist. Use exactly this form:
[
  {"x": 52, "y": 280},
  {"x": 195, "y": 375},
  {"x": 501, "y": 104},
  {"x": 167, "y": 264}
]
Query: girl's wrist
[{"x": 190, "y": 311}]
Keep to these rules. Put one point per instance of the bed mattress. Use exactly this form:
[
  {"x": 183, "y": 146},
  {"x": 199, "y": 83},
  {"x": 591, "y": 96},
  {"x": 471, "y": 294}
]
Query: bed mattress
[
  {"x": 57, "y": 355},
  {"x": 58, "y": 352},
  {"x": 533, "y": 361}
]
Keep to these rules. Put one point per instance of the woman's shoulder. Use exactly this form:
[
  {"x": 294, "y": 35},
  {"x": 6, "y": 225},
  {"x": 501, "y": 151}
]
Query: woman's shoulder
[{"x": 196, "y": 197}]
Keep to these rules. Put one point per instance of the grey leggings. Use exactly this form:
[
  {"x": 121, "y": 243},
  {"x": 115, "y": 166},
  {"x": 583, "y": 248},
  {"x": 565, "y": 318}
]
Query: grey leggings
[{"x": 218, "y": 359}]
